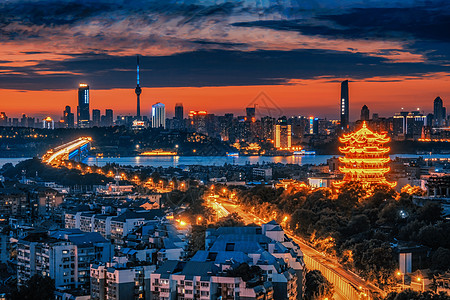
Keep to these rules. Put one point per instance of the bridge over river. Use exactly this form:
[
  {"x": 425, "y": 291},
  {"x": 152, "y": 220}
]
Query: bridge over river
[{"x": 74, "y": 150}]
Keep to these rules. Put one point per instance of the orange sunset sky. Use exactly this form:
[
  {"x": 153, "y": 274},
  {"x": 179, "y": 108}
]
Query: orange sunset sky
[{"x": 220, "y": 55}]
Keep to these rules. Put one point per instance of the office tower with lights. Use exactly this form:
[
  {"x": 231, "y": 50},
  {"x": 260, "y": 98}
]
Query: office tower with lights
[
  {"x": 158, "y": 115},
  {"x": 282, "y": 135},
  {"x": 3, "y": 119},
  {"x": 68, "y": 117},
  {"x": 344, "y": 105},
  {"x": 439, "y": 112},
  {"x": 96, "y": 117},
  {"x": 365, "y": 113},
  {"x": 83, "y": 115},
  {"x": 138, "y": 92}
]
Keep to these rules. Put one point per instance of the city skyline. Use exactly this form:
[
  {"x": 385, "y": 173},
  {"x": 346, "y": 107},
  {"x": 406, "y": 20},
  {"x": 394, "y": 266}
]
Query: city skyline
[
  {"x": 222, "y": 55},
  {"x": 330, "y": 112}
]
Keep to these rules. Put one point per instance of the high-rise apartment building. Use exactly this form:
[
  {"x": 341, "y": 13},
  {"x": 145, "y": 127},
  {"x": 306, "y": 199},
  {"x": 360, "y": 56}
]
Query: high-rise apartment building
[
  {"x": 439, "y": 112},
  {"x": 344, "y": 105},
  {"x": 63, "y": 255},
  {"x": 282, "y": 135},
  {"x": 68, "y": 117},
  {"x": 408, "y": 123},
  {"x": 48, "y": 123},
  {"x": 109, "y": 118},
  {"x": 113, "y": 281},
  {"x": 250, "y": 113},
  {"x": 158, "y": 115},
  {"x": 179, "y": 114},
  {"x": 96, "y": 117},
  {"x": 365, "y": 113},
  {"x": 83, "y": 115},
  {"x": 197, "y": 121},
  {"x": 3, "y": 119}
]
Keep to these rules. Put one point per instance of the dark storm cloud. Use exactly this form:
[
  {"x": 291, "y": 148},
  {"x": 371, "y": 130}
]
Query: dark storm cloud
[
  {"x": 423, "y": 22},
  {"x": 49, "y": 13},
  {"x": 208, "y": 68},
  {"x": 97, "y": 38},
  {"x": 68, "y": 12},
  {"x": 425, "y": 28}
]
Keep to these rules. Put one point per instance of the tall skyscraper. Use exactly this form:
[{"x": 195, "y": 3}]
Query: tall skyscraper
[
  {"x": 365, "y": 113},
  {"x": 250, "y": 113},
  {"x": 344, "y": 105},
  {"x": 179, "y": 114},
  {"x": 68, "y": 117},
  {"x": 138, "y": 92},
  {"x": 109, "y": 117},
  {"x": 439, "y": 115},
  {"x": 83, "y": 115},
  {"x": 3, "y": 119},
  {"x": 282, "y": 135},
  {"x": 96, "y": 117},
  {"x": 158, "y": 115}
]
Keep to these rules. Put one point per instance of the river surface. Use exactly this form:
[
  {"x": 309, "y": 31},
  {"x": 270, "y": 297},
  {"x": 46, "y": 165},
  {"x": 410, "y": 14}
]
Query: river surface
[{"x": 176, "y": 161}]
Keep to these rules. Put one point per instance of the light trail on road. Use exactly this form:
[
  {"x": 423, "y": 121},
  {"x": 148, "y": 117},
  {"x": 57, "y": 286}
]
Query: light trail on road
[
  {"x": 65, "y": 150},
  {"x": 347, "y": 284}
]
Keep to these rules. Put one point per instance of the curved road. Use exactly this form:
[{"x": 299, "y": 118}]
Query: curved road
[{"x": 361, "y": 286}]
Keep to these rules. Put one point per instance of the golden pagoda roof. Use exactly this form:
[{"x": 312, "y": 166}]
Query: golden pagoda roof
[
  {"x": 375, "y": 171},
  {"x": 339, "y": 184},
  {"x": 365, "y": 135},
  {"x": 364, "y": 150},
  {"x": 357, "y": 160}
]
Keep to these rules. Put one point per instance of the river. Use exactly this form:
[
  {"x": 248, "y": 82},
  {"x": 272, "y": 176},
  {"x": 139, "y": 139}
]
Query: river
[{"x": 177, "y": 161}]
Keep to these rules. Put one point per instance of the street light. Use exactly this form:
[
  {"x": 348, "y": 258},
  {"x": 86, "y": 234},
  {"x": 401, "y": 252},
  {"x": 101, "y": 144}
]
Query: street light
[
  {"x": 419, "y": 279},
  {"x": 399, "y": 273}
]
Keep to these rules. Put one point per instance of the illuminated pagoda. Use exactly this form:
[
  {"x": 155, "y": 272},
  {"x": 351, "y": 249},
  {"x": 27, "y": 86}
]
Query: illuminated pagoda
[{"x": 366, "y": 158}]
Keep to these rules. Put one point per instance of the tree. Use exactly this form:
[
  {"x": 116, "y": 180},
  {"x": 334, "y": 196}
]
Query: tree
[
  {"x": 441, "y": 259},
  {"x": 357, "y": 224},
  {"x": 431, "y": 212},
  {"x": 413, "y": 295},
  {"x": 232, "y": 220},
  {"x": 351, "y": 194},
  {"x": 317, "y": 286},
  {"x": 37, "y": 287},
  {"x": 246, "y": 272},
  {"x": 196, "y": 240},
  {"x": 302, "y": 219}
]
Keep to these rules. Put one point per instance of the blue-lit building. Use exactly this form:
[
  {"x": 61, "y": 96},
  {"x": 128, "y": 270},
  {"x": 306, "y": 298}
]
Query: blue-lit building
[
  {"x": 83, "y": 115},
  {"x": 158, "y": 115}
]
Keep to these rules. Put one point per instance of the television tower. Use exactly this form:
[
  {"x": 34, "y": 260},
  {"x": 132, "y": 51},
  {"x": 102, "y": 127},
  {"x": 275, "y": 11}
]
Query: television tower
[{"x": 138, "y": 92}]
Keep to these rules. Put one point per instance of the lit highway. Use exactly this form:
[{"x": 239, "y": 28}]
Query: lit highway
[
  {"x": 347, "y": 285},
  {"x": 63, "y": 152}
]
